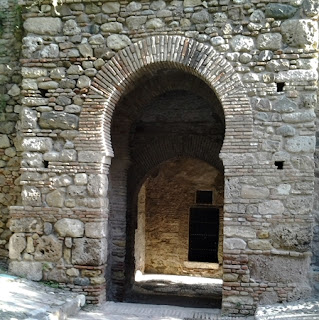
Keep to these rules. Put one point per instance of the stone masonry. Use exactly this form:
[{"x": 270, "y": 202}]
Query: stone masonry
[{"x": 76, "y": 148}]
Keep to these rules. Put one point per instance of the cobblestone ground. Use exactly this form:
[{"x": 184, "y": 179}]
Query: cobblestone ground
[
  {"x": 305, "y": 309},
  {"x": 301, "y": 310},
  {"x": 21, "y": 299},
  {"x": 134, "y": 311}
]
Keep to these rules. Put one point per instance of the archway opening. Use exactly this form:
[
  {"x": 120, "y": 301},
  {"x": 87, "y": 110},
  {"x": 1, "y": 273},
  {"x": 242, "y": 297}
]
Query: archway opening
[
  {"x": 167, "y": 133},
  {"x": 179, "y": 234}
]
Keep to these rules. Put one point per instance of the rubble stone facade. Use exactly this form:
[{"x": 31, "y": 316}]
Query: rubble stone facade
[{"x": 84, "y": 125}]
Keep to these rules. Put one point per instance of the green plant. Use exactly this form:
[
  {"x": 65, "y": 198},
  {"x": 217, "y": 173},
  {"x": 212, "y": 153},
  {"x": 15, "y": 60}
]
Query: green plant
[
  {"x": 46, "y": 266},
  {"x": 3, "y": 103},
  {"x": 18, "y": 22},
  {"x": 2, "y": 19},
  {"x": 51, "y": 284}
]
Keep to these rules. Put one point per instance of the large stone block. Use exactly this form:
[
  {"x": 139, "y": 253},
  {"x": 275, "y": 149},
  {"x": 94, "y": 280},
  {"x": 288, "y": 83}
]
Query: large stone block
[
  {"x": 136, "y": 6},
  {"x": 238, "y": 159},
  {"x": 239, "y": 300},
  {"x": 34, "y": 102},
  {"x": 37, "y": 144},
  {"x": 234, "y": 243},
  {"x": 97, "y": 39},
  {"x": 48, "y": 85},
  {"x": 284, "y": 105},
  {"x": 80, "y": 179},
  {"x": 31, "y": 196},
  {"x": 50, "y": 51},
  {"x": 93, "y": 156},
  {"x": 33, "y": 72},
  {"x": 280, "y": 11},
  {"x": 86, "y": 50},
  {"x": 261, "y": 104},
  {"x": 28, "y": 118},
  {"x": 77, "y": 191},
  {"x": 269, "y": 41},
  {"x": 71, "y": 28},
  {"x": 26, "y": 225},
  {"x": 7, "y": 127},
  {"x": 311, "y": 7},
  {"x": 111, "y": 7},
  {"x": 43, "y": 25},
  {"x": 58, "y": 120},
  {"x": 67, "y": 155},
  {"x": 291, "y": 237},
  {"x": 29, "y": 84},
  {"x": 4, "y": 141},
  {"x": 299, "y": 205},
  {"x": 134, "y": 22},
  {"x": 200, "y": 17},
  {"x": 192, "y": 3},
  {"x": 155, "y": 23},
  {"x": 279, "y": 269},
  {"x": 17, "y": 244},
  {"x": 298, "y": 117},
  {"x": 242, "y": 43},
  {"x": 118, "y": 41},
  {"x": 83, "y": 82},
  {"x": 259, "y": 244},
  {"x": 300, "y": 33},
  {"x": 61, "y": 181},
  {"x": 89, "y": 251},
  {"x": 251, "y": 192},
  {"x": 55, "y": 199},
  {"x": 48, "y": 248},
  {"x": 27, "y": 269},
  {"x": 97, "y": 185},
  {"x": 274, "y": 207},
  {"x": 96, "y": 229},
  {"x": 69, "y": 228},
  {"x": 296, "y": 75},
  {"x": 278, "y": 65},
  {"x": 58, "y": 275},
  {"x": 301, "y": 144},
  {"x": 240, "y": 231},
  {"x": 14, "y": 91}
]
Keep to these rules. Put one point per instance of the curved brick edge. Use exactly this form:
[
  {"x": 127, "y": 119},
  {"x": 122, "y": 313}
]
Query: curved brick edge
[{"x": 118, "y": 76}]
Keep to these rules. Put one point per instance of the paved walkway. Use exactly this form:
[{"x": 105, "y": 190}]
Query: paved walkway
[
  {"x": 135, "y": 311},
  {"x": 21, "y": 299}
]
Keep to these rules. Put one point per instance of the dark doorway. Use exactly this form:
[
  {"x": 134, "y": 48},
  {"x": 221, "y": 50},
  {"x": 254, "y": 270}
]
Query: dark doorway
[{"x": 203, "y": 234}]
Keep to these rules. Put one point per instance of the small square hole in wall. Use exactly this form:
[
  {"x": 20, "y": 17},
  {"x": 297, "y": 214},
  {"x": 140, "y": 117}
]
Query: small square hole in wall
[
  {"x": 280, "y": 86},
  {"x": 279, "y": 165},
  {"x": 43, "y": 92},
  {"x": 204, "y": 197}
]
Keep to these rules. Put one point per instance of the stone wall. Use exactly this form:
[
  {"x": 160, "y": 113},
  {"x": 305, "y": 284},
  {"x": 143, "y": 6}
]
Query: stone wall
[
  {"x": 10, "y": 107},
  {"x": 169, "y": 196},
  {"x": 260, "y": 59}
]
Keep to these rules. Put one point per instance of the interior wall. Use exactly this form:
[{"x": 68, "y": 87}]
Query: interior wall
[
  {"x": 170, "y": 193},
  {"x": 140, "y": 231}
]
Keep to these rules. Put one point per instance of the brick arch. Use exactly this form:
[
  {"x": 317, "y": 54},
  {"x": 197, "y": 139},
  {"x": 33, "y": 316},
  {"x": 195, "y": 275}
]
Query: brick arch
[
  {"x": 148, "y": 159},
  {"x": 148, "y": 55}
]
